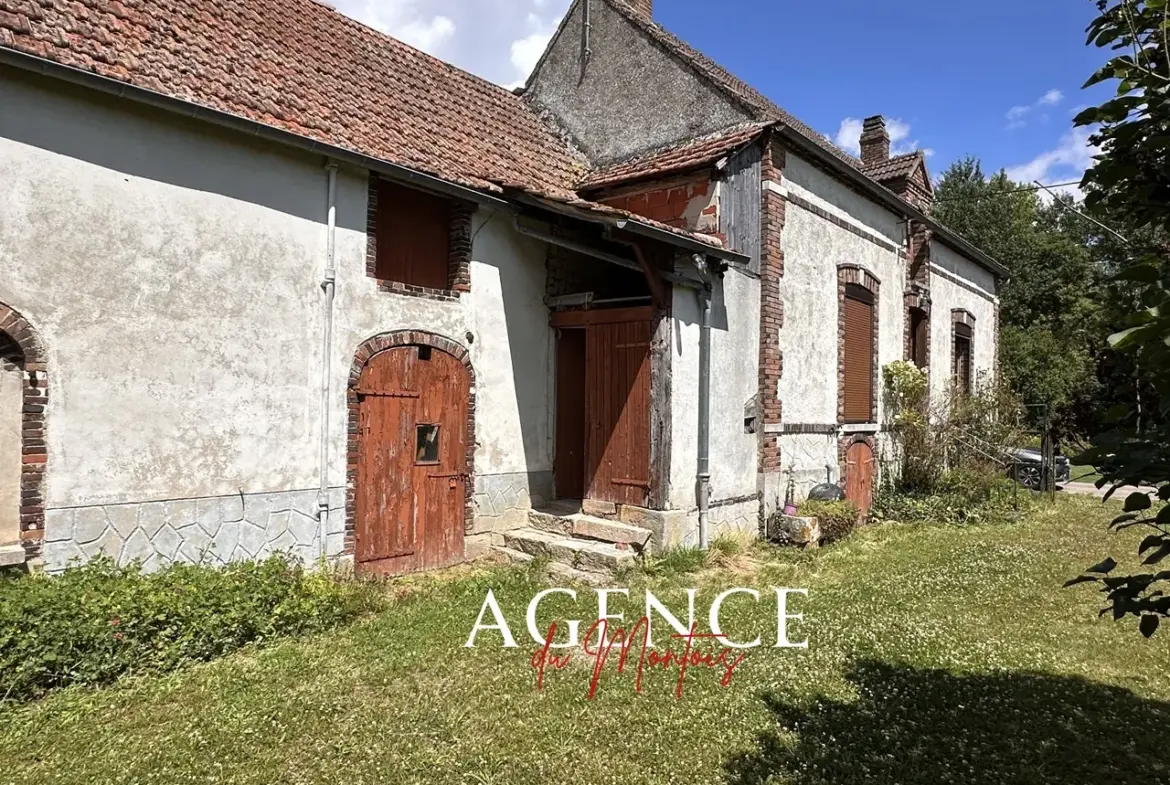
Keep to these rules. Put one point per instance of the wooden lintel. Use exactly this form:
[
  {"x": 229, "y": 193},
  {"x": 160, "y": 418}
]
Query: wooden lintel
[{"x": 601, "y": 316}]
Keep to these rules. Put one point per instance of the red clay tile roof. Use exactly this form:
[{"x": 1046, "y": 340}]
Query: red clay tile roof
[
  {"x": 302, "y": 67},
  {"x": 678, "y": 158},
  {"x": 895, "y": 167},
  {"x": 763, "y": 108}
]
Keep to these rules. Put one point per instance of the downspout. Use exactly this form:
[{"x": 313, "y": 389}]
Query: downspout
[
  {"x": 703, "y": 476},
  {"x": 328, "y": 286}
]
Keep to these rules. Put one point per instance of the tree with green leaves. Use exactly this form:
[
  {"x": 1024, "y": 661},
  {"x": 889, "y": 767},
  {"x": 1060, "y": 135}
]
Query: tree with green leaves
[
  {"x": 1131, "y": 178},
  {"x": 1050, "y": 315}
]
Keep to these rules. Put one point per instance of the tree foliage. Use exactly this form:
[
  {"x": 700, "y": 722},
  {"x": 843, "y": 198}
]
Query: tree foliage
[
  {"x": 1050, "y": 312},
  {"x": 1131, "y": 178}
]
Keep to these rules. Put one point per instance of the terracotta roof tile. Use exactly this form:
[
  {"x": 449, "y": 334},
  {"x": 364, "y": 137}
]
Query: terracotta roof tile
[
  {"x": 894, "y": 167},
  {"x": 302, "y": 67},
  {"x": 678, "y": 158}
]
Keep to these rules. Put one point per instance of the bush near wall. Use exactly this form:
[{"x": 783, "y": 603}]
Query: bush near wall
[
  {"x": 837, "y": 519},
  {"x": 959, "y": 496},
  {"x": 97, "y": 622}
]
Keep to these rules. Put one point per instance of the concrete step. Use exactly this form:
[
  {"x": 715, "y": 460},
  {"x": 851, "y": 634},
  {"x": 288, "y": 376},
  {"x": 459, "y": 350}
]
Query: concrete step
[
  {"x": 580, "y": 554},
  {"x": 589, "y": 527}
]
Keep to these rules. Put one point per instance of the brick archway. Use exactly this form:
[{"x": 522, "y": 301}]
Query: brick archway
[
  {"x": 21, "y": 347},
  {"x": 367, "y": 350}
]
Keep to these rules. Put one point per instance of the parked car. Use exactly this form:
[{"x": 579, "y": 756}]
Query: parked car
[{"x": 1026, "y": 465}]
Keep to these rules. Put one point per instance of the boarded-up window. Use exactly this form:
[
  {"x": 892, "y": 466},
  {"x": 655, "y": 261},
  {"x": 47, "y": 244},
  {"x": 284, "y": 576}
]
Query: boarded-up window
[
  {"x": 962, "y": 358},
  {"x": 918, "y": 337},
  {"x": 859, "y": 351},
  {"x": 413, "y": 237}
]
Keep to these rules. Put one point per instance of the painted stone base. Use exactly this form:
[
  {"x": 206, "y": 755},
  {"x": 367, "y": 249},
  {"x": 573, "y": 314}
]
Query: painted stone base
[
  {"x": 680, "y": 528},
  {"x": 213, "y": 530},
  {"x": 502, "y": 501}
]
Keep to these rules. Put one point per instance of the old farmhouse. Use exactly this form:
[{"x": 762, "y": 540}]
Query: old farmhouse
[{"x": 273, "y": 281}]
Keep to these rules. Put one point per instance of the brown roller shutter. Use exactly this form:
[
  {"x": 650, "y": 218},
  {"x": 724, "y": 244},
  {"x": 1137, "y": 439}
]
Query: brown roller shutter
[{"x": 859, "y": 337}]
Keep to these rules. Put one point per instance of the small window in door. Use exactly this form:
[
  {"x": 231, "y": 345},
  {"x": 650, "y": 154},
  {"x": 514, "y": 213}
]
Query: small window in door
[{"x": 427, "y": 444}]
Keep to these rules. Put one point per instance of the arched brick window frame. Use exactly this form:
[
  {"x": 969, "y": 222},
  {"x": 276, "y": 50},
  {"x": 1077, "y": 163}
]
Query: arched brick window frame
[
  {"x": 21, "y": 346},
  {"x": 368, "y": 349},
  {"x": 853, "y": 274}
]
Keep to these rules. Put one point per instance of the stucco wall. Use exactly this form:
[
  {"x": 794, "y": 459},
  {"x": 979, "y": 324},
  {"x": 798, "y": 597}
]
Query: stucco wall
[
  {"x": 957, "y": 282},
  {"x": 631, "y": 97},
  {"x": 813, "y": 247},
  {"x": 173, "y": 273},
  {"x": 734, "y": 379}
]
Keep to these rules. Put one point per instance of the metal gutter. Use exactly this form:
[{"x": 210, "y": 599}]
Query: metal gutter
[
  {"x": 887, "y": 198},
  {"x": 178, "y": 106}
]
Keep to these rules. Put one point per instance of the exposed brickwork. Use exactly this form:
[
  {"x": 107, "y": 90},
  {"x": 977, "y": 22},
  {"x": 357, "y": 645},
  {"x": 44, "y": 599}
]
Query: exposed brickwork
[
  {"x": 960, "y": 316},
  {"x": 875, "y": 141},
  {"x": 684, "y": 203},
  {"x": 847, "y": 274},
  {"x": 20, "y": 347},
  {"x": 459, "y": 263},
  {"x": 367, "y": 350},
  {"x": 918, "y": 287},
  {"x": 771, "y": 305},
  {"x": 644, "y": 7}
]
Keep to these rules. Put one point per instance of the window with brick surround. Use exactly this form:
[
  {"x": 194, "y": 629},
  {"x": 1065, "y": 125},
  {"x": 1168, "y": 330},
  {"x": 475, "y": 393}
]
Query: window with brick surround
[
  {"x": 918, "y": 336},
  {"x": 962, "y": 358},
  {"x": 414, "y": 237},
  {"x": 859, "y": 348}
]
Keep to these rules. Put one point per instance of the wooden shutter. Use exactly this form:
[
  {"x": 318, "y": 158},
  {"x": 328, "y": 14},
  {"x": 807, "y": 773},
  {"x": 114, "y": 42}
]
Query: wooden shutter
[
  {"x": 413, "y": 237},
  {"x": 859, "y": 346},
  {"x": 918, "y": 337}
]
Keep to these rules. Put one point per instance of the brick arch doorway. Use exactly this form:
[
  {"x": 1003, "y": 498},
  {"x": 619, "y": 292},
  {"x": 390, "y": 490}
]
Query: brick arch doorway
[
  {"x": 411, "y": 471},
  {"x": 23, "y": 454}
]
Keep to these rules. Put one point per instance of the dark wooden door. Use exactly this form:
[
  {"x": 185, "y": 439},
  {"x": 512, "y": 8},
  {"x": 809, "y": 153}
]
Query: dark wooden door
[
  {"x": 617, "y": 405},
  {"x": 569, "y": 465},
  {"x": 412, "y": 462},
  {"x": 860, "y": 468}
]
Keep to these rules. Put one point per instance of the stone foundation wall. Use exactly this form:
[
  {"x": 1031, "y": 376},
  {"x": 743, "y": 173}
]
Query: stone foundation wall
[
  {"x": 502, "y": 501},
  {"x": 211, "y": 530}
]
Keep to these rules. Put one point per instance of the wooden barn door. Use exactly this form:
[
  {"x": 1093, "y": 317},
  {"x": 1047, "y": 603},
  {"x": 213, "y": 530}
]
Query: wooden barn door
[
  {"x": 617, "y": 405},
  {"x": 412, "y": 463},
  {"x": 860, "y": 468}
]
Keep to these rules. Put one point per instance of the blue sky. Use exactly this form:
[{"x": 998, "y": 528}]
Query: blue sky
[{"x": 998, "y": 79}]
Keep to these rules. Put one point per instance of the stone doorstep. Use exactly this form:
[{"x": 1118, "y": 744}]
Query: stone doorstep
[
  {"x": 589, "y": 527},
  {"x": 580, "y": 554},
  {"x": 555, "y": 569},
  {"x": 12, "y": 555}
]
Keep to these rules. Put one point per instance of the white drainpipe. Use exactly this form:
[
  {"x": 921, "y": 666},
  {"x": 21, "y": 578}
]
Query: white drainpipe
[
  {"x": 703, "y": 478},
  {"x": 328, "y": 286}
]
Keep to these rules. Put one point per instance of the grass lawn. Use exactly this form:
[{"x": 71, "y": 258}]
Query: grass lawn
[
  {"x": 938, "y": 654},
  {"x": 1083, "y": 474}
]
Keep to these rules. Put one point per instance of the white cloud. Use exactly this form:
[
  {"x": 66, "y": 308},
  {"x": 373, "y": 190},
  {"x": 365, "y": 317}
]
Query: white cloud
[
  {"x": 500, "y": 40},
  {"x": 1017, "y": 116},
  {"x": 1064, "y": 163},
  {"x": 848, "y": 136}
]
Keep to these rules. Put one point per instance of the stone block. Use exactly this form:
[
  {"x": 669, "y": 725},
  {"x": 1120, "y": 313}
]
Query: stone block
[
  {"x": 59, "y": 525},
  {"x": 124, "y": 519},
  {"x": 794, "y": 530},
  {"x": 477, "y": 546}
]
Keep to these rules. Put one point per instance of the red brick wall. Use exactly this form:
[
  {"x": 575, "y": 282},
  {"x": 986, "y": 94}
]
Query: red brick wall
[
  {"x": 21, "y": 347},
  {"x": 771, "y": 307},
  {"x": 667, "y": 202}
]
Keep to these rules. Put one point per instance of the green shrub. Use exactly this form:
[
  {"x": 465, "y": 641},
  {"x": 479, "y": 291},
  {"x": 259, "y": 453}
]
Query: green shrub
[
  {"x": 837, "y": 519},
  {"x": 960, "y": 496},
  {"x": 97, "y": 622}
]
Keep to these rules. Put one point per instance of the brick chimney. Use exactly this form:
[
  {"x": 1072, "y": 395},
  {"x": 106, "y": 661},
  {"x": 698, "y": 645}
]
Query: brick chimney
[
  {"x": 875, "y": 141},
  {"x": 645, "y": 8}
]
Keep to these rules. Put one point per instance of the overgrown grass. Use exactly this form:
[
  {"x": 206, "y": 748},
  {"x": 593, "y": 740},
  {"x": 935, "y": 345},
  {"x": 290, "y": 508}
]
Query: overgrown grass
[
  {"x": 937, "y": 654},
  {"x": 98, "y": 622}
]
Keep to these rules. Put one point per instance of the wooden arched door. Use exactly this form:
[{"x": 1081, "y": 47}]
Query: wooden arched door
[
  {"x": 860, "y": 470},
  {"x": 412, "y": 463}
]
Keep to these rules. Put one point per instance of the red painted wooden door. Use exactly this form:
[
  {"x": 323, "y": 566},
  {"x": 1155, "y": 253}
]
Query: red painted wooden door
[
  {"x": 617, "y": 403},
  {"x": 412, "y": 463},
  {"x": 860, "y": 468}
]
